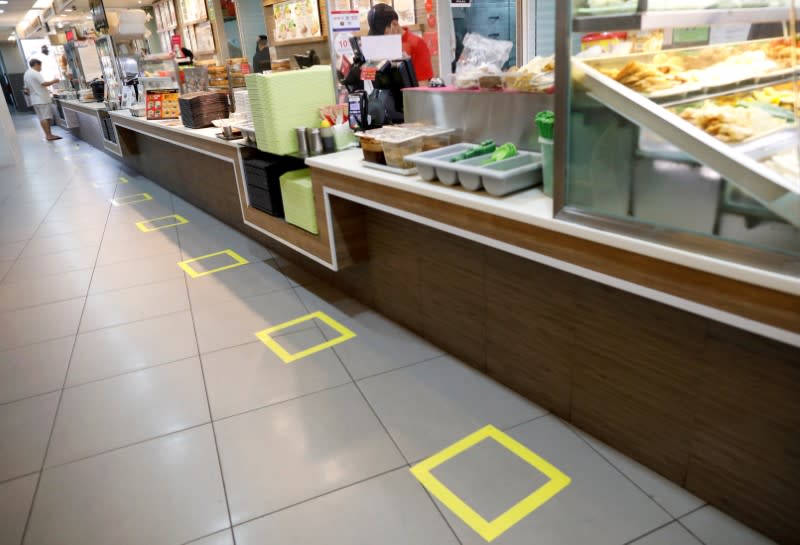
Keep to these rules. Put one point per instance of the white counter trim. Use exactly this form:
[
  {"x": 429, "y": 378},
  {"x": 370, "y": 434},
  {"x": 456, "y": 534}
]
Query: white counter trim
[
  {"x": 705, "y": 311},
  {"x": 534, "y": 208}
]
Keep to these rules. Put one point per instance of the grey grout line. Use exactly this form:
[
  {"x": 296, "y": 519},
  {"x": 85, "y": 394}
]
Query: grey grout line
[
  {"x": 405, "y": 366},
  {"x": 618, "y": 470},
  {"x": 651, "y": 532},
  {"x": 683, "y": 524},
  {"x": 58, "y": 407},
  {"x": 126, "y": 445},
  {"x": 208, "y": 399},
  {"x": 316, "y": 497},
  {"x": 528, "y": 421},
  {"x": 196, "y": 539},
  {"x": 10, "y": 479},
  {"x": 37, "y": 305},
  {"x": 441, "y": 513},
  {"x": 281, "y": 402}
]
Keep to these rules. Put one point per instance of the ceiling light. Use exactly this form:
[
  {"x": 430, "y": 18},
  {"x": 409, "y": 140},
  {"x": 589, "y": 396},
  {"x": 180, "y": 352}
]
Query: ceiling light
[
  {"x": 3, "y": 1},
  {"x": 42, "y": 4},
  {"x": 2, "y": 11}
]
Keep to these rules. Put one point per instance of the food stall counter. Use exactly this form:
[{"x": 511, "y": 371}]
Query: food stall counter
[{"x": 94, "y": 125}]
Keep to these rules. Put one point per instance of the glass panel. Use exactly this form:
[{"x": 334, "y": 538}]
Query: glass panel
[
  {"x": 496, "y": 19},
  {"x": 699, "y": 139}
]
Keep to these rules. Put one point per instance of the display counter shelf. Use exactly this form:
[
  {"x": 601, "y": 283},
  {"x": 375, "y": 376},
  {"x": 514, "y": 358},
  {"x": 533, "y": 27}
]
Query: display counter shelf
[
  {"x": 779, "y": 194},
  {"x": 653, "y": 20}
]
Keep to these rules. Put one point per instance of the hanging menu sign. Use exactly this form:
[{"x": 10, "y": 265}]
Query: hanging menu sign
[{"x": 296, "y": 20}]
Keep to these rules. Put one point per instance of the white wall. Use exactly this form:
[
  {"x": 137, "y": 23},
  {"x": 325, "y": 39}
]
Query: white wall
[
  {"x": 9, "y": 152},
  {"x": 15, "y": 64}
]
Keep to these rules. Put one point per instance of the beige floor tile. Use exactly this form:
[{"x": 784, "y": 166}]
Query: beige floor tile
[
  {"x": 31, "y": 325},
  {"x": 161, "y": 492},
  {"x": 43, "y": 290},
  {"x": 126, "y": 409},
  {"x": 252, "y": 376},
  {"x": 24, "y": 430},
  {"x": 138, "y": 345},
  {"x": 275, "y": 457},
  {"x": 138, "y": 272},
  {"x": 15, "y": 502},
  {"x": 35, "y": 369},
  {"x": 132, "y": 304}
]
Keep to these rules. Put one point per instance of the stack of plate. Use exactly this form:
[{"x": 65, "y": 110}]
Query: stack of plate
[
  {"x": 282, "y": 101},
  {"x": 298, "y": 200},
  {"x": 199, "y": 109}
]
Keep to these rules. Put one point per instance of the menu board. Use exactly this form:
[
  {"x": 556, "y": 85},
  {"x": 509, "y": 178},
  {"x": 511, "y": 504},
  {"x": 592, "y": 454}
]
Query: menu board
[
  {"x": 204, "y": 38},
  {"x": 296, "y": 20},
  {"x": 193, "y": 11}
]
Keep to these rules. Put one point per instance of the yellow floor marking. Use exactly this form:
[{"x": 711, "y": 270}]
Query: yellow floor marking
[
  {"x": 238, "y": 262},
  {"x": 123, "y": 180},
  {"x": 265, "y": 336},
  {"x": 143, "y": 227},
  {"x": 132, "y": 199},
  {"x": 490, "y": 530}
]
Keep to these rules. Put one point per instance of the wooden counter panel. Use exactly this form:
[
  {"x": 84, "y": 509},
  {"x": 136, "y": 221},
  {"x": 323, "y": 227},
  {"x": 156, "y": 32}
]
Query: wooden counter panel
[
  {"x": 759, "y": 304},
  {"x": 176, "y": 138}
]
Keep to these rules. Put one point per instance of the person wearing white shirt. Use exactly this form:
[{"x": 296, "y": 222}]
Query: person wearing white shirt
[{"x": 36, "y": 89}]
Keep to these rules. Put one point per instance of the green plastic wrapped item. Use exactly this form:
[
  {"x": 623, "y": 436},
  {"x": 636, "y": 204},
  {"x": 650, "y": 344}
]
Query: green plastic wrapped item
[
  {"x": 545, "y": 120},
  {"x": 298, "y": 200}
]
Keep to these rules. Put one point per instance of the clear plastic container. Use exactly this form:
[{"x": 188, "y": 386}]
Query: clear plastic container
[{"x": 397, "y": 146}]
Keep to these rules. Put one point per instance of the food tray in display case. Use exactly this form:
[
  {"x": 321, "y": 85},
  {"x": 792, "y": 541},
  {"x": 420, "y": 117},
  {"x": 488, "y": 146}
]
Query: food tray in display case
[
  {"x": 775, "y": 190},
  {"x": 660, "y": 14},
  {"x": 685, "y": 74}
]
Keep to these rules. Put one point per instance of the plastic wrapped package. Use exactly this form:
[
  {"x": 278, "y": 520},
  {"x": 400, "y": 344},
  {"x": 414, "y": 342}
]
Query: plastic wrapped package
[{"x": 481, "y": 56}]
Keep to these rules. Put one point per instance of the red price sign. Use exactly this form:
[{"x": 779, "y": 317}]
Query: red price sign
[
  {"x": 176, "y": 40},
  {"x": 368, "y": 73}
]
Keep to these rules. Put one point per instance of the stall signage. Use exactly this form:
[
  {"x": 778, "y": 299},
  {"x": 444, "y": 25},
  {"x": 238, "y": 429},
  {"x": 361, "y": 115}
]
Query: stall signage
[
  {"x": 460, "y": 3},
  {"x": 341, "y": 44},
  {"x": 368, "y": 73},
  {"x": 345, "y": 21}
]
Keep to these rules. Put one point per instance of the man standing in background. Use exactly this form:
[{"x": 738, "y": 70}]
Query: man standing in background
[
  {"x": 36, "y": 89},
  {"x": 261, "y": 58}
]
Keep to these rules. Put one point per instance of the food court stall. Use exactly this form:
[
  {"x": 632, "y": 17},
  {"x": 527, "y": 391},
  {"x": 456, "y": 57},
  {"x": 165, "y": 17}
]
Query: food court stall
[{"x": 644, "y": 285}]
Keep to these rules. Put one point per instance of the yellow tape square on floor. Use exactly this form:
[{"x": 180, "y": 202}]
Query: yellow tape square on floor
[
  {"x": 265, "y": 336},
  {"x": 122, "y": 180},
  {"x": 490, "y": 530},
  {"x": 132, "y": 199},
  {"x": 145, "y": 228},
  {"x": 238, "y": 261}
]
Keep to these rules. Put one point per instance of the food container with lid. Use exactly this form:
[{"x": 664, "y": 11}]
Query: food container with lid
[{"x": 396, "y": 146}]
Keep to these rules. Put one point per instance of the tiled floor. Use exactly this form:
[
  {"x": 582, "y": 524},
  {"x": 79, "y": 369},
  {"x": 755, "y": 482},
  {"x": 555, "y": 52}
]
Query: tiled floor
[{"x": 138, "y": 407}]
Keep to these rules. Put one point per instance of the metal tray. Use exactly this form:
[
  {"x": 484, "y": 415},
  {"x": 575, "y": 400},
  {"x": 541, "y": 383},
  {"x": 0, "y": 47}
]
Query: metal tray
[
  {"x": 503, "y": 177},
  {"x": 435, "y": 164}
]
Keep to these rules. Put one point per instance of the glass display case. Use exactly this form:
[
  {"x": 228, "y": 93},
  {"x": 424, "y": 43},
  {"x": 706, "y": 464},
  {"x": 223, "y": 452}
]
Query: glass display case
[
  {"x": 690, "y": 140},
  {"x": 109, "y": 65},
  {"x": 158, "y": 72}
]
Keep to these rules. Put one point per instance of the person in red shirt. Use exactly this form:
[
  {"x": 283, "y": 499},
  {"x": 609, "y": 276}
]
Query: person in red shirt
[{"x": 383, "y": 19}]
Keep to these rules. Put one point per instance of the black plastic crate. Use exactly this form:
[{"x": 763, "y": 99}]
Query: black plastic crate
[{"x": 266, "y": 201}]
